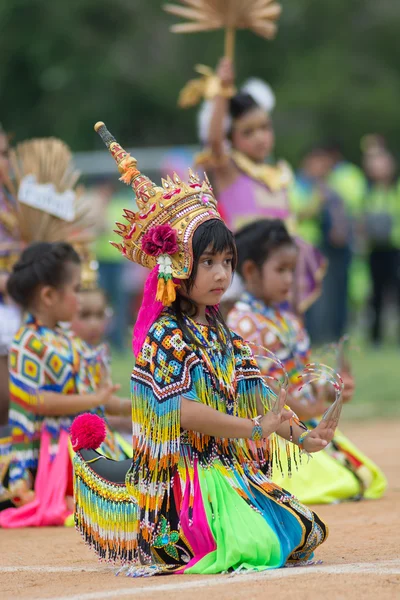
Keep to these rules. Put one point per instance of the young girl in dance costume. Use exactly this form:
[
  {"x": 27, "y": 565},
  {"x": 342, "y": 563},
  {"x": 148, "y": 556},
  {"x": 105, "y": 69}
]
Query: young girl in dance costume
[
  {"x": 50, "y": 382},
  {"x": 267, "y": 258},
  {"x": 89, "y": 324},
  {"x": 238, "y": 135},
  {"x": 197, "y": 497},
  {"x": 44, "y": 356}
]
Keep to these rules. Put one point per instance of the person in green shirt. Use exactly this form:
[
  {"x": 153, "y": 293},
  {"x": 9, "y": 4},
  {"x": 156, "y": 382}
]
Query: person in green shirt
[
  {"x": 347, "y": 180},
  {"x": 382, "y": 229},
  {"x": 325, "y": 219}
]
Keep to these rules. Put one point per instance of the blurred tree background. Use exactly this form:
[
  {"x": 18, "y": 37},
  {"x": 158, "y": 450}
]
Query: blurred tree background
[{"x": 64, "y": 65}]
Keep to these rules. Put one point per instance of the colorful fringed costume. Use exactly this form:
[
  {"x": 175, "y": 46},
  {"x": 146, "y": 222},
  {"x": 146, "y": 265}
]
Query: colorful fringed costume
[
  {"x": 188, "y": 502},
  {"x": 341, "y": 471},
  {"x": 204, "y": 505},
  {"x": 43, "y": 359}
]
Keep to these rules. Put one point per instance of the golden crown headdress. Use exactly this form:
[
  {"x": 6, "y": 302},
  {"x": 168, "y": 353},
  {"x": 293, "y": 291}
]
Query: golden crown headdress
[{"x": 161, "y": 232}]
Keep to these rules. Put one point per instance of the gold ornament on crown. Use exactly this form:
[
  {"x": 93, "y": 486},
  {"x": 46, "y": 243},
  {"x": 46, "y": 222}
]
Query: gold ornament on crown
[
  {"x": 177, "y": 204},
  {"x": 89, "y": 266}
]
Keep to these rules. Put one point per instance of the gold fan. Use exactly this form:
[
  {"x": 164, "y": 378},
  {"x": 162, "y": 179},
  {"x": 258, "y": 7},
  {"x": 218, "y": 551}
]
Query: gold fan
[{"x": 259, "y": 16}]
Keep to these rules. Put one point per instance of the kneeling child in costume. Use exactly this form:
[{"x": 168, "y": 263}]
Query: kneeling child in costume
[
  {"x": 197, "y": 497},
  {"x": 267, "y": 258}
]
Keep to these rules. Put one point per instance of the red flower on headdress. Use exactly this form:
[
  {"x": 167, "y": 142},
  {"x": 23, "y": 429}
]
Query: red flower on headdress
[{"x": 162, "y": 239}]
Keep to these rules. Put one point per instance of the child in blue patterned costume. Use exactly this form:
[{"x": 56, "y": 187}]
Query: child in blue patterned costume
[
  {"x": 266, "y": 260},
  {"x": 53, "y": 377}
]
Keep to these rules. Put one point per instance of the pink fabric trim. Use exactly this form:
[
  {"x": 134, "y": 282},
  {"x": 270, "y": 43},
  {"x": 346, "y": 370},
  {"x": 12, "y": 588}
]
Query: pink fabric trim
[
  {"x": 149, "y": 311},
  {"x": 49, "y": 507},
  {"x": 197, "y": 533}
]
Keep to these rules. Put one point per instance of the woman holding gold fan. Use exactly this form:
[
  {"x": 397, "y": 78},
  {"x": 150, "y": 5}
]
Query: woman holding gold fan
[{"x": 237, "y": 130}]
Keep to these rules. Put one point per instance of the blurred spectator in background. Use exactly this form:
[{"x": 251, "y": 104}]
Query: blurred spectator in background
[
  {"x": 346, "y": 179},
  {"x": 306, "y": 198},
  {"x": 110, "y": 261},
  {"x": 325, "y": 212},
  {"x": 382, "y": 227}
]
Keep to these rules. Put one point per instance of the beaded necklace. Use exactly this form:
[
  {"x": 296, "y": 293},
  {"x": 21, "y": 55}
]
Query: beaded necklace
[
  {"x": 280, "y": 326},
  {"x": 220, "y": 364}
]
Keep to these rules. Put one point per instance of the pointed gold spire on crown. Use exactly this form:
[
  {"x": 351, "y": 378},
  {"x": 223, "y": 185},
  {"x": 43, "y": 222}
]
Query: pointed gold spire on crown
[{"x": 179, "y": 204}]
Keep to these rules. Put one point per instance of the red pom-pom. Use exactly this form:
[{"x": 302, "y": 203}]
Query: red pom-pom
[{"x": 87, "y": 432}]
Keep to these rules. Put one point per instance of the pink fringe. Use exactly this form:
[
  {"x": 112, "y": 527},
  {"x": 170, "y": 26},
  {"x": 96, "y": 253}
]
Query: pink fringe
[
  {"x": 49, "y": 506},
  {"x": 149, "y": 311},
  {"x": 197, "y": 532}
]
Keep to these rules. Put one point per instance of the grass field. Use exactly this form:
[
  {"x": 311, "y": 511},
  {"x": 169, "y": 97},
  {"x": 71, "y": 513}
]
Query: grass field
[{"x": 377, "y": 381}]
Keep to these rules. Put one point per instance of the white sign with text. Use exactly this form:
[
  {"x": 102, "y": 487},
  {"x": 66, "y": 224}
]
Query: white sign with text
[{"x": 44, "y": 196}]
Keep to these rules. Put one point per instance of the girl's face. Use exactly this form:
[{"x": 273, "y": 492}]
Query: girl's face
[
  {"x": 274, "y": 280},
  {"x": 61, "y": 304},
  {"x": 90, "y": 321},
  {"x": 253, "y": 135},
  {"x": 213, "y": 277}
]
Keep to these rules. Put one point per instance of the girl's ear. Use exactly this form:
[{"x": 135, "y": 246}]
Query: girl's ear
[
  {"x": 47, "y": 295},
  {"x": 250, "y": 271}
]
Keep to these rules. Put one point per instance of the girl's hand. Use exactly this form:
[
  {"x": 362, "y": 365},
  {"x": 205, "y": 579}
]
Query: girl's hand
[
  {"x": 274, "y": 418},
  {"x": 319, "y": 438},
  {"x": 105, "y": 394},
  {"x": 121, "y": 407},
  {"x": 225, "y": 72}
]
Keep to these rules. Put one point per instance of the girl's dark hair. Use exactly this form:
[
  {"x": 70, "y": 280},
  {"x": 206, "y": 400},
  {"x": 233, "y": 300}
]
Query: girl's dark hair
[
  {"x": 41, "y": 263},
  {"x": 241, "y": 104},
  {"x": 258, "y": 240},
  {"x": 214, "y": 235}
]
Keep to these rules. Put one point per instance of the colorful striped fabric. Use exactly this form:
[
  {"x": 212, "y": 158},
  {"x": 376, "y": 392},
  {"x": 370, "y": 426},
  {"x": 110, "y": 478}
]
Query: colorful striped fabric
[{"x": 42, "y": 359}]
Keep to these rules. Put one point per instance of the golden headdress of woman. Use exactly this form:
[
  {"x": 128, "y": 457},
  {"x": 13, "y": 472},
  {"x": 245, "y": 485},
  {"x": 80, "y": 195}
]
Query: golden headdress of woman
[
  {"x": 160, "y": 234},
  {"x": 50, "y": 206}
]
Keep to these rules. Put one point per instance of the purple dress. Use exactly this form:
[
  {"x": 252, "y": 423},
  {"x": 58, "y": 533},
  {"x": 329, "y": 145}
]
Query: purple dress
[{"x": 248, "y": 199}]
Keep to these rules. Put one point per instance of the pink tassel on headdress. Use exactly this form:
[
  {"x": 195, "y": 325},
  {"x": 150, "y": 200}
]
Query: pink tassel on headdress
[{"x": 149, "y": 311}]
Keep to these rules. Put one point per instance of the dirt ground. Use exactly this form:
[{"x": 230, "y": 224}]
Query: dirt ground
[{"x": 361, "y": 558}]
